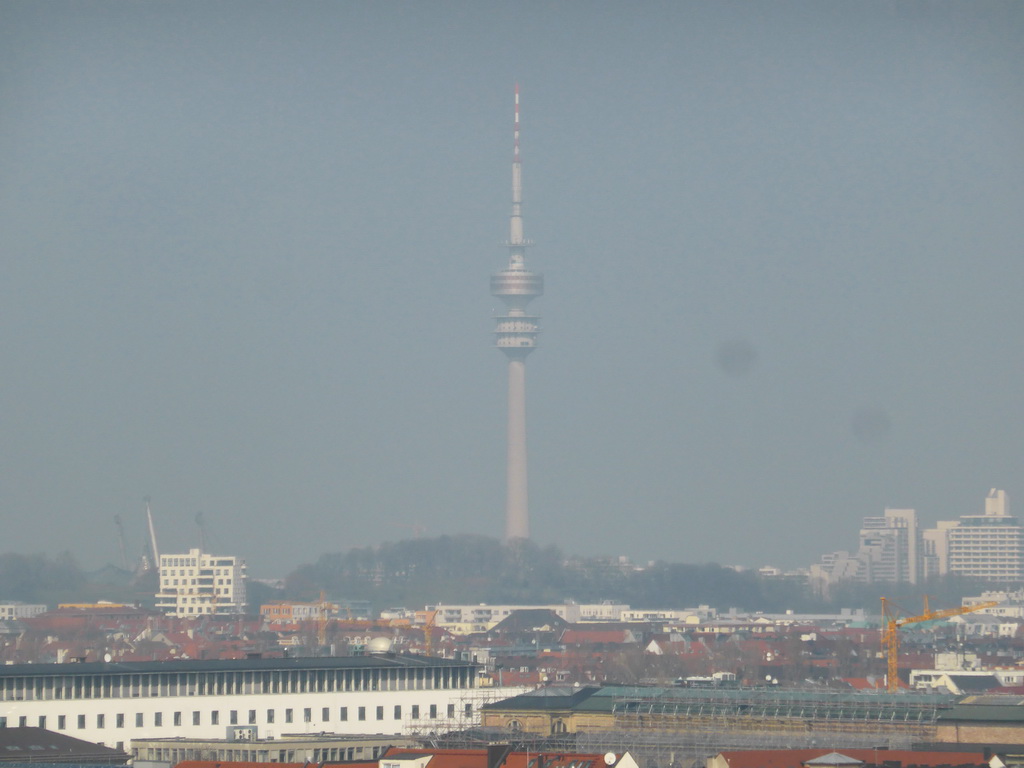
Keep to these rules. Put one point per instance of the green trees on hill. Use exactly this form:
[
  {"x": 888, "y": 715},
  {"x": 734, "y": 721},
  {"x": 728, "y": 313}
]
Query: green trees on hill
[
  {"x": 478, "y": 569},
  {"x": 470, "y": 569}
]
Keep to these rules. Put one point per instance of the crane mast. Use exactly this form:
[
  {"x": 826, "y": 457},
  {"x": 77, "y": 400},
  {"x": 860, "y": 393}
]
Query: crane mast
[
  {"x": 152, "y": 536},
  {"x": 891, "y": 623},
  {"x": 120, "y": 541}
]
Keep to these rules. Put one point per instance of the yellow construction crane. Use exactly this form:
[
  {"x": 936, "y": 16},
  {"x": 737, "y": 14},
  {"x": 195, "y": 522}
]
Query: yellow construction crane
[
  {"x": 428, "y": 634},
  {"x": 324, "y": 610},
  {"x": 891, "y": 623}
]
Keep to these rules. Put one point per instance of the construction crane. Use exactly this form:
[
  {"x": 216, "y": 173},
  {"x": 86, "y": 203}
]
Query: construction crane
[
  {"x": 324, "y": 610},
  {"x": 120, "y": 541},
  {"x": 428, "y": 634},
  {"x": 891, "y": 623},
  {"x": 152, "y": 536}
]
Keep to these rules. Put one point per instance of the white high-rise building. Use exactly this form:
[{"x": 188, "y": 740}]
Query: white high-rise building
[
  {"x": 197, "y": 584},
  {"x": 935, "y": 549},
  {"x": 889, "y": 551},
  {"x": 889, "y": 547},
  {"x": 988, "y": 546}
]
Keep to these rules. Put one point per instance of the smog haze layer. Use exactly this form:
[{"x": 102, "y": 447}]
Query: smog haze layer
[{"x": 245, "y": 249}]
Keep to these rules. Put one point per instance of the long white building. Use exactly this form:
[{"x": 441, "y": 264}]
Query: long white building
[{"x": 114, "y": 703}]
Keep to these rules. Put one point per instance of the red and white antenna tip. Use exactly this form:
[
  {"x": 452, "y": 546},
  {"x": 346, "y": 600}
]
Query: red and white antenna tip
[{"x": 516, "y": 127}]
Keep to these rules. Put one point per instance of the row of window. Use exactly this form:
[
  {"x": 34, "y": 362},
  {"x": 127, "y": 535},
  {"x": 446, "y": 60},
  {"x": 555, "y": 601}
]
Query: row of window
[
  {"x": 175, "y": 755},
  {"x": 177, "y": 718},
  {"x": 162, "y": 684}
]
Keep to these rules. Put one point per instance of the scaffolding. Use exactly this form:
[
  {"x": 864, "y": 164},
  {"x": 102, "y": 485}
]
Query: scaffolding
[
  {"x": 685, "y": 727},
  {"x": 680, "y": 728},
  {"x": 461, "y": 714}
]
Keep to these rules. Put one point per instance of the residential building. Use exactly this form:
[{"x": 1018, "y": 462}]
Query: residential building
[
  {"x": 889, "y": 547},
  {"x": 466, "y": 619},
  {"x": 308, "y": 749},
  {"x": 31, "y": 746},
  {"x": 890, "y": 550},
  {"x": 992, "y": 719},
  {"x": 197, "y": 583},
  {"x": 10, "y": 609},
  {"x": 286, "y": 612},
  {"x": 935, "y": 549},
  {"x": 988, "y": 546}
]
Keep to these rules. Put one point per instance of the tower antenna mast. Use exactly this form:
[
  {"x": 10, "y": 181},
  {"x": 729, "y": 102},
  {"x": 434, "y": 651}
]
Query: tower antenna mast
[{"x": 516, "y": 336}]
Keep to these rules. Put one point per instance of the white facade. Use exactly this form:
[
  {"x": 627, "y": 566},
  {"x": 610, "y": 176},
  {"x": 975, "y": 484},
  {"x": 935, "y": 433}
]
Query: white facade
[
  {"x": 935, "y": 549},
  {"x": 197, "y": 584},
  {"x": 889, "y": 547},
  {"x": 482, "y": 617},
  {"x": 1011, "y": 604},
  {"x": 13, "y": 610},
  {"x": 685, "y": 616},
  {"x": 890, "y": 550},
  {"x": 988, "y": 546},
  {"x": 112, "y": 703}
]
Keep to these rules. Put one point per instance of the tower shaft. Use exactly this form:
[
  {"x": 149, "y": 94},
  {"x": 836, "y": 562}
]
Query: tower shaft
[
  {"x": 516, "y": 336},
  {"x": 517, "y": 515}
]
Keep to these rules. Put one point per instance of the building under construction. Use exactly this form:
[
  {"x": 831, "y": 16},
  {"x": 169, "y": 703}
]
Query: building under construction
[{"x": 680, "y": 726}]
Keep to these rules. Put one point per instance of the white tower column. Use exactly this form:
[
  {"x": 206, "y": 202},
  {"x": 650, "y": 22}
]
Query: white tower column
[{"x": 517, "y": 516}]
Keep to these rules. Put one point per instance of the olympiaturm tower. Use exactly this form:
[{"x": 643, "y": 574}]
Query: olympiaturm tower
[{"x": 516, "y": 337}]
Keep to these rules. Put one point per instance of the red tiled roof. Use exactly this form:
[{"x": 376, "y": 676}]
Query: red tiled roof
[
  {"x": 795, "y": 758},
  {"x": 477, "y": 758}
]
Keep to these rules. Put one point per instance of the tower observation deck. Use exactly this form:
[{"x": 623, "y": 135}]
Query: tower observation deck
[{"x": 516, "y": 336}]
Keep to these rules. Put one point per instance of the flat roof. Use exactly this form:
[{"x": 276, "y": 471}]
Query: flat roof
[{"x": 230, "y": 665}]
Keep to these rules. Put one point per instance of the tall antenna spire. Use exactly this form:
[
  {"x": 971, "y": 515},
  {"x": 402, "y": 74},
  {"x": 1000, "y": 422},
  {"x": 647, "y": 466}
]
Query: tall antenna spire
[
  {"x": 515, "y": 153},
  {"x": 516, "y": 337}
]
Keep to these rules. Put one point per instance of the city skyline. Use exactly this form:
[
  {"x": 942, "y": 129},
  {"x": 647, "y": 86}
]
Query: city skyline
[{"x": 243, "y": 251}]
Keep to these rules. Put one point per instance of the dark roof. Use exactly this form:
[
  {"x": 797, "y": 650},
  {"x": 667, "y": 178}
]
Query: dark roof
[
  {"x": 974, "y": 683},
  {"x": 38, "y": 745},
  {"x": 530, "y": 620},
  {"x": 994, "y": 708},
  {"x": 550, "y": 698},
  {"x": 229, "y": 665}
]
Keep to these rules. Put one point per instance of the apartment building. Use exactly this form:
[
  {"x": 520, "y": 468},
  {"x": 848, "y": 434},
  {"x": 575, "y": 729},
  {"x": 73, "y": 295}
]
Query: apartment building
[
  {"x": 988, "y": 546},
  {"x": 197, "y": 584}
]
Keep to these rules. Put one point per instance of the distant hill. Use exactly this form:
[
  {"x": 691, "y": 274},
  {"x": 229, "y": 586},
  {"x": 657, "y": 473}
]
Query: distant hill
[
  {"x": 478, "y": 569},
  {"x": 475, "y": 569}
]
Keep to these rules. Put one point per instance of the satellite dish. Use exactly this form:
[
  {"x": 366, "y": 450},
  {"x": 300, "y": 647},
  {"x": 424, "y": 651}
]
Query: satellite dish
[
  {"x": 107, "y": 657},
  {"x": 379, "y": 645},
  {"x": 610, "y": 758}
]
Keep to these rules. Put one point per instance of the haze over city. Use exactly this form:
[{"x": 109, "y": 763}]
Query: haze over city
[{"x": 245, "y": 250}]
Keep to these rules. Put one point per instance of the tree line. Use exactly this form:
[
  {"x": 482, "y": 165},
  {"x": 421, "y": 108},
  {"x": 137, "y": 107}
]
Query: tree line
[{"x": 478, "y": 569}]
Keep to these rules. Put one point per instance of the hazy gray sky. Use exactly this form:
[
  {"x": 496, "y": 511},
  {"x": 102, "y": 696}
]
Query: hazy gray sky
[{"x": 245, "y": 250}]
